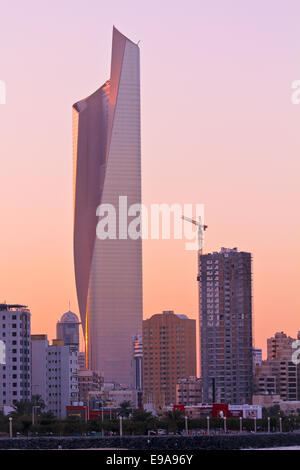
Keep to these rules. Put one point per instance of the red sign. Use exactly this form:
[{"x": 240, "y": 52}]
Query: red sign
[{"x": 220, "y": 410}]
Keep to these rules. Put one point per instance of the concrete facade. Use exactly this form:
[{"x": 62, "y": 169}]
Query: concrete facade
[
  {"x": 54, "y": 373},
  {"x": 62, "y": 371},
  {"x": 169, "y": 348},
  {"x": 225, "y": 304},
  {"x": 279, "y": 374},
  {"x": 15, "y": 369},
  {"x": 88, "y": 381},
  {"x": 39, "y": 359},
  {"x": 189, "y": 391}
]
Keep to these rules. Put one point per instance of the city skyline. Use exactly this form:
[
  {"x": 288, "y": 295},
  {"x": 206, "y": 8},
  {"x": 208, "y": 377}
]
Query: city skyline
[{"x": 236, "y": 125}]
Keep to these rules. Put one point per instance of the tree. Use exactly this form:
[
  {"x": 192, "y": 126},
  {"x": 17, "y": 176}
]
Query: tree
[
  {"x": 24, "y": 407},
  {"x": 174, "y": 420},
  {"x": 48, "y": 415},
  {"x": 272, "y": 411},
  {"x": 125, "y": 409},
  {"x": 143, "y": 421},
  {"x": 36, "y": 400},
  {"x": 21, "y": 408}
]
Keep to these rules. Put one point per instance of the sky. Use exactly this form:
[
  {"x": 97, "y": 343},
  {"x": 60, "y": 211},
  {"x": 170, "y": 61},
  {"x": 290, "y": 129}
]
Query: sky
[{"x": 218, "y": 128}]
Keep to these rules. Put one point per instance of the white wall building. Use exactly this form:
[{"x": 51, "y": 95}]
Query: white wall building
[
  {"x": 55, "y": 373},
  {"x": 15, "y": 365},
  {"x": 62, "y": 370}
]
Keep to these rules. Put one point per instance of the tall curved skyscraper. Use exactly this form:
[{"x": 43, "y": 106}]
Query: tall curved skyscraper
[{"x": 107, "y": 165}]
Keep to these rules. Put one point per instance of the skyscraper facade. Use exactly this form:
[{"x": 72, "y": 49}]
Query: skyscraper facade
[
  {"x": 226, "y": 326},
  {"x": 107, "y": 167}
]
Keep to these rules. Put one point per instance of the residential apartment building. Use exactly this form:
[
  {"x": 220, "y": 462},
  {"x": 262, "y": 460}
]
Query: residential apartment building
[
  {"x": 225, "y": 310},
  {"x": 62, "y": 377},
  {"x": 88, "y": 381},
  {"x": 189, "y": 391},
  {"x": 55, "y": 373},
  {"x": 15, "y": 365},
  {"x": 279, "y": 374},
  {"x": 169, "y": 353}
]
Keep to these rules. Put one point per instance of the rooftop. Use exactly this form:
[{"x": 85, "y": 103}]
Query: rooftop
[
  {"x": 69, "y": 317},
  {"x": 12, "y": 307}
]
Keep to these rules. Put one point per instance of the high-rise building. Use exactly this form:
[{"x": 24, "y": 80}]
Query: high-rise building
[
  {"x": 15, "y": 367},
  {"x": 54, "y": 373},
  {"x": 279, "y": 346},
  {"x": 169, "y": 354},
  {"x": 226, "y": 326},
  {"x": 279, "y": 374},
  {"x": 39, "y": 366},
  {"x": 257, "y": 358},
  {"x": 107, "y": 172},
  {"x": 67, "y": 328},
  {"x": 62, "y": 377}
]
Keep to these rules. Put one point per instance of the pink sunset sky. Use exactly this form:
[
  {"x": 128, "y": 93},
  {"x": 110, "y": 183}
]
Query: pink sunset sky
[{"x": 218, "y": 128}]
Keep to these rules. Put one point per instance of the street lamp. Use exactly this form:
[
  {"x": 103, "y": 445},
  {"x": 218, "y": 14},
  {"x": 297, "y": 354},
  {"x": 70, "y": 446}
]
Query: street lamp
[
  {"x": 268, "y": 423},
  {"x": 186, "y": 425},
  {"x": 207, "y": 418},
  {"x": 121, "y": 427},
  {"x": 33, "y": 408},
  {"x": 10, "y": 428}
]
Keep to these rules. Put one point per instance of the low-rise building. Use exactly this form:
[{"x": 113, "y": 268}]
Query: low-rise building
[
  {"x": 189, "y": 391},
  {"x": 88, "y": 381},
  {"x": 132, "y": 396},
  {"x": 220, "y": 410},
  {"x": 268, "y": 401},
  {"x": 278, "y": 374}
]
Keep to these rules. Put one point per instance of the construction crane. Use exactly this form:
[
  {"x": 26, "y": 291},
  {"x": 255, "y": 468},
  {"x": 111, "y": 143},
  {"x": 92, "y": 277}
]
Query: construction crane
[{"x": 200, "y": 231}]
